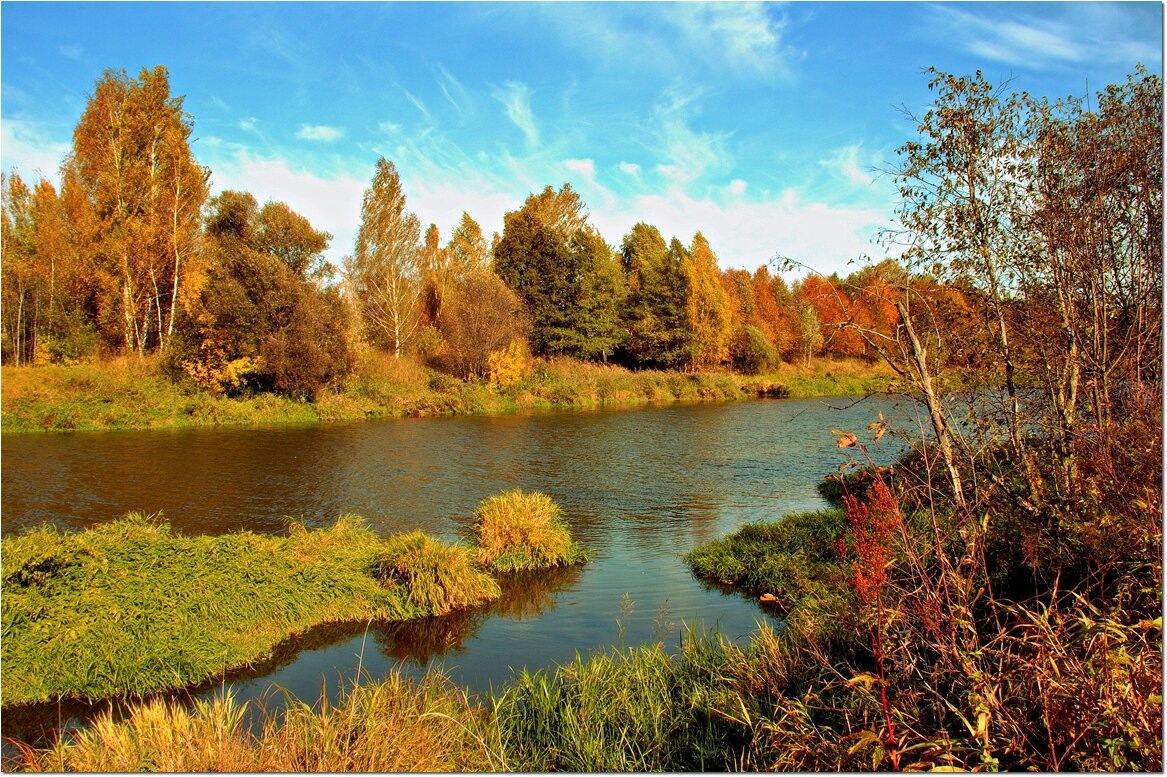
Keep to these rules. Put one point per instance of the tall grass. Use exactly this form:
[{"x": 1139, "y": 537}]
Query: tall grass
[
  {"x": 393, "y": 725},
  {"x": 634, "y": 710},
  {"x": 436, "y": 577},
  {"x": 517, "y": 532},
  {"x": 793, "y": 563},
  {"x": 131, "y": 607}
]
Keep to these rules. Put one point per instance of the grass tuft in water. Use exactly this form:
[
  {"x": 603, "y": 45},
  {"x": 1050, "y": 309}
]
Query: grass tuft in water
[
  {"x": 436, "y": 578},
  {"x": 514, "y": 532}
]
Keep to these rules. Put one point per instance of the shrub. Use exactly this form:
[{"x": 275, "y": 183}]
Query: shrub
[
  {"x": 517, "y": 531},
  {"x": 439, "y": 578},
  {"x": 507, "y": 366}
]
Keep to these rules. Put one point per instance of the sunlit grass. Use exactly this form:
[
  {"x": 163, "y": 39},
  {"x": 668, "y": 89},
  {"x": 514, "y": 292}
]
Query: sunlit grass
[
  {"x": 393, "y": 725},
  {"x": 438, "y": 578},
  {"x": 516, "y": 532},
  {"x": 131, "y": 607},
  {"x": 134, "y": 394}
]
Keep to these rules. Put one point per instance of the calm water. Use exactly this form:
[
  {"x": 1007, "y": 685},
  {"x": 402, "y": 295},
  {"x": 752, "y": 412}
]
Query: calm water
[{"x": 639, "y": 487}]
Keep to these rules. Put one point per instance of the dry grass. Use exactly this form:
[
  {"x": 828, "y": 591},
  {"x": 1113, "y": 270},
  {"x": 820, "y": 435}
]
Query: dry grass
[
  {"x": 517, "y": 531},
  {"x": 390, "y": 726}
]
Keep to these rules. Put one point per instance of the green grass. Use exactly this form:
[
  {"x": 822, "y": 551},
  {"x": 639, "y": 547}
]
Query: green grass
[
  {"x": 634, "y": 710},
  {"x": 438, "y": 578},
  {"x": 792, "y": 559},
  {"x": 133, "y": 394},
  {"x": 131, "y": 607}
]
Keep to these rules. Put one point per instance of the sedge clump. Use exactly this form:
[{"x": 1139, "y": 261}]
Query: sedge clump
[{"x": 514, "y": 532}]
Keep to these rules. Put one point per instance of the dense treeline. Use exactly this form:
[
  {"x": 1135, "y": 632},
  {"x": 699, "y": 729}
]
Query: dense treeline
[{"x": 134, "y": 255}]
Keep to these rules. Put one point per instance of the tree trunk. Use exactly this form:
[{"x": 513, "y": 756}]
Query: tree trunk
[{"x": 935, "y": 409}]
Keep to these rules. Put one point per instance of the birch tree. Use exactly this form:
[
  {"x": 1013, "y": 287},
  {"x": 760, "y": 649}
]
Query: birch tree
[
  {"x": 384, "y": 271},
  {"x": 132, "y": 160}
]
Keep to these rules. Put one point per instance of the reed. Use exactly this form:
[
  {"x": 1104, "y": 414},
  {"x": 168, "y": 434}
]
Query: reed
[{"x": 634, "y": 710}]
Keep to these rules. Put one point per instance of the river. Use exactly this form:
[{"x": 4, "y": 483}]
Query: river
[{"x": 639, "y": 487}]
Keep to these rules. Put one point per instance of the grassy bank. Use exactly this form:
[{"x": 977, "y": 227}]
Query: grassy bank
[
  {"x": 130, "y": 607},
  {"x": 133, "y": 394}
]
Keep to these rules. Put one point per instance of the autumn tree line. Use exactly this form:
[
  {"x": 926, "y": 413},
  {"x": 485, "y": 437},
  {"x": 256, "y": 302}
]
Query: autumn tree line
[{"x": 133, "y": 255}]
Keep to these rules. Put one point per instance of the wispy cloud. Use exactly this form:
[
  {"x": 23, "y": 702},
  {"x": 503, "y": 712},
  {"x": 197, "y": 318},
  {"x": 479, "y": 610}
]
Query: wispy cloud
[
  {"x": 743, "y": 38},
  {"x": 851, "y": 165},
  {"x": 319, "y": 132},
  {"x": 69, "y": 51},
  {"x": 585, "y": 167},
  {"x": 743, "y": 35},
  {"x": 421, "y": 106},
  {"x": 629, "y": 168},
  {"x": 455, "y": 92},
  {"x": 1101, "y": 32},
  {"x": 516, "y": 100},
  {"x": 688, "y": 155}
]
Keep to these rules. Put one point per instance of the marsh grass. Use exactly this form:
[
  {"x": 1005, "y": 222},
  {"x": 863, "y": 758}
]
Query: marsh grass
[
  {"x": 516, "y": 532},
  {"x": 130, "y": 607},
  {"x": 393, "y": 725},
  {"x": 632, "y": 710},
  {"x": 436, "y": 578}
]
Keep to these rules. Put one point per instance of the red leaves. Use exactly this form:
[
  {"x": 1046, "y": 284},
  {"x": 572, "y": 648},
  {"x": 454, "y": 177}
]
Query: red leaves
[{"x": 873, "y": 522}]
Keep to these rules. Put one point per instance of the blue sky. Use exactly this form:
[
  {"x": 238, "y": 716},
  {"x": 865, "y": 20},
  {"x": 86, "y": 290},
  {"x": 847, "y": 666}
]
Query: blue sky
[{"x": 762, "y": 125}]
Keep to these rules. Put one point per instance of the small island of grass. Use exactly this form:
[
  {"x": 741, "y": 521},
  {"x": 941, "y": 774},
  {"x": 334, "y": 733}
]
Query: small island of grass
[{"x": 131, "y": 607}]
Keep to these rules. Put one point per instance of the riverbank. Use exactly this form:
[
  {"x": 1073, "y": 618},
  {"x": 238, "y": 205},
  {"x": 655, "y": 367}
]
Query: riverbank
[
  {"x": 130, "y": 607},
  {"x": 133, "y": 394}
]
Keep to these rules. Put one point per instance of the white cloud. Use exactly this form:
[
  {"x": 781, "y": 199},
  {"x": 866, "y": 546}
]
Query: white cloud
[
  {"x": 688, "y": 154},
  {"x": 454, "y": 91},
  {"x": 629, "y": 168},
  {"x": 29, "y": 148},
  {"x": 742, "y": 35},
  {"x": 516, "y": 100},
  {"x": 737, "y": 187},
  {"x": 320, "y": 132},
  {"x": 417, "y": 103},
  {"x": 749, "y": 232},
  {"x": 845, "y": 163},
  {"x": 585, "y": 167},
  {"x": 250, "y": 124},
  {"x": 742, "y": 38},
  {"x": 389, "y": 127}
]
